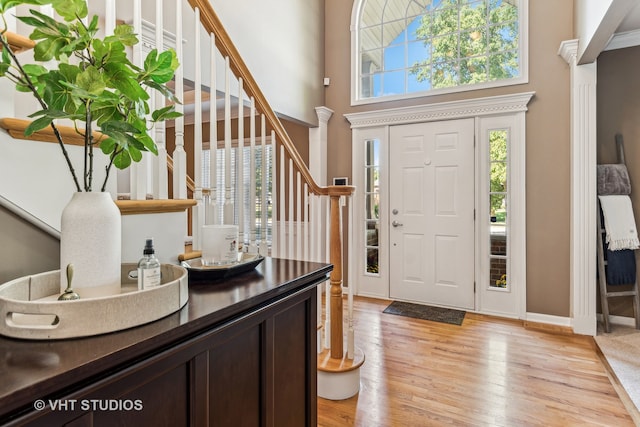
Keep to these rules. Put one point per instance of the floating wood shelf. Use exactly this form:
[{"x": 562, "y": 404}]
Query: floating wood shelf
[
  {"x": 16, "y": 128},
  {"x": 19, "y": 43},
  {"x": 133, "y": 207}
]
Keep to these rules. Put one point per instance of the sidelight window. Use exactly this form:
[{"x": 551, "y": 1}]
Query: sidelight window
[
  {"x": 372, "y": 205},
  {"x": 498, "y": 209}
]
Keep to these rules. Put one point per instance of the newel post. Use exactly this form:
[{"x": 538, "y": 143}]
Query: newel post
[
  {"x": 335, "y": 255},
  {"x": 338, "y": 371}
]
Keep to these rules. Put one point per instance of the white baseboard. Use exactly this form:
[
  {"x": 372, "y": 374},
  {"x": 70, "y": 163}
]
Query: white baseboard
[{"x": 549, "y": 319}]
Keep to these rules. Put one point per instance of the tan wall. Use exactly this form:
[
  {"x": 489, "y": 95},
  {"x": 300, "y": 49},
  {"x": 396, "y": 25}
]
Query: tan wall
[
  {"x": 619, "y": 112},
  {"x": 24, "y": 249},
  {"x": 548, "y": 144}
]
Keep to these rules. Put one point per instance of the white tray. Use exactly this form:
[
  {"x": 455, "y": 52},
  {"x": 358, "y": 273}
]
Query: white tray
[{"x": 29, "y": 308}]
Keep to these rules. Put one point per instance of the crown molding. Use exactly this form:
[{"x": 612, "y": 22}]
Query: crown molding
[{"x": 442, "y": 111}]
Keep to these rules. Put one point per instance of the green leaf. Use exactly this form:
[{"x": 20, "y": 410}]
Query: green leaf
[
  {"x": 108, "y": 145},
  {"x": 160, "y": 68},
  {"x": 6, "y": 62},
  {"x": 148, "y": 143},
  {"x": 122, "y": 160},
  {"x": 49, "y": 22},
  {"x": 105, "y": 108},
  {"x": 37, "y": 125},
  {"x": 52, "y": 114},
  {"x": 164, "y": 90},
  {"x": 119, "y": 126},
  {"x": 68, "y": 9},
  {"x": 46, "y": 50},
  {"x": 91, "y": 81},
  {"x": 129, "y": 87},
  {"x": 166, "y": 113},
  {"x": 57, "y": 94},
  {"x": 124, "y": 33},
  {"x": 136, "y": 155},
  {"x": 111, "y": 56},
  {"x": 5, "y": 5}
]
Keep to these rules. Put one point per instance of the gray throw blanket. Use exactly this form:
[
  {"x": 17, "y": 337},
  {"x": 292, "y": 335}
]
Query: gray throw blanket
[{"x": 613, "y": 179}]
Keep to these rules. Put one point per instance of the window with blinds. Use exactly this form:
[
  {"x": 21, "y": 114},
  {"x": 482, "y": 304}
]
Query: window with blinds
[{"x": 254, "y": 226}]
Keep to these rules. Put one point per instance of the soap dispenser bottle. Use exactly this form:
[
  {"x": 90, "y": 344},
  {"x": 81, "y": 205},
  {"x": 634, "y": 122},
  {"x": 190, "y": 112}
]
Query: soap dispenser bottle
[{"x": 148, "y": 267}]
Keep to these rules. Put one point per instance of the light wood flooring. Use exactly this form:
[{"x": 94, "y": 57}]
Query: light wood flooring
[{"x": 487, "y": 372}]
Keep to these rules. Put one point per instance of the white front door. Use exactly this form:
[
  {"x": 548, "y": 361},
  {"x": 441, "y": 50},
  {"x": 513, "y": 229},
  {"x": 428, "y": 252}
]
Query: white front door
[{"x": 431, "y": 213}]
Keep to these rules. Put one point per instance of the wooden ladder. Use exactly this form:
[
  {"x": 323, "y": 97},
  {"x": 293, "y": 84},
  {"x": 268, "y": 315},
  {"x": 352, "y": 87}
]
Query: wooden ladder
[{"x": 605, "y": 293}]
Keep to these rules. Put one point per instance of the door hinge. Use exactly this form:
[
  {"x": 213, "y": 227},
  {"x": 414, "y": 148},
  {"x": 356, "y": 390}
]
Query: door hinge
[
  {"x": 474, "y": 214},
  {"x": 474, "y": 287}
]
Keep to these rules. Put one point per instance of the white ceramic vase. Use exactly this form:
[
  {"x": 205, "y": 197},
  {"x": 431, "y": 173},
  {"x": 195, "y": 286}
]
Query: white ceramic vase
[{"x": 90, "y": 239}]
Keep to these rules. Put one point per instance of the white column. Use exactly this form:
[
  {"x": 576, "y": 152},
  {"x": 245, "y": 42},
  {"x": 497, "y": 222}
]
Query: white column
[
  {"x": 318, "y": 160},
  {"x": 318, "y": 146},
  {"x": 583, "y": 191}
]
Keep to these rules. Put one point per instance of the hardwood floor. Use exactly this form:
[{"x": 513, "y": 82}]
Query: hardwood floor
[{"x": 487, "y": 372}]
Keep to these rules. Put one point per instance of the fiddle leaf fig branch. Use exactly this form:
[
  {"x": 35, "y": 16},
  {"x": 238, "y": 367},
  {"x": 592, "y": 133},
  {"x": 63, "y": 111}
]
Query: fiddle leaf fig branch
[{"x": 94, "y": 84}]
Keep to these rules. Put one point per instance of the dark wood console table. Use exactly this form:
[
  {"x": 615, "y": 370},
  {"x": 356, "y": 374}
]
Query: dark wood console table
[{"x": 242, "y": 352}]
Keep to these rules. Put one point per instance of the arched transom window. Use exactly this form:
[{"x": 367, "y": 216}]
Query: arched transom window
[{"x": 408, "y": 48}]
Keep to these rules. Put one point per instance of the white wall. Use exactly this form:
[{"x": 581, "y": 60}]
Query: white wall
[{"x": 281, "y": 42}]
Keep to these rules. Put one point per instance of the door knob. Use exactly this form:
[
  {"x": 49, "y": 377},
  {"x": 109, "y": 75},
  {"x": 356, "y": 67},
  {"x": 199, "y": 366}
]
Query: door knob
[{"x": 396, "y": 224}]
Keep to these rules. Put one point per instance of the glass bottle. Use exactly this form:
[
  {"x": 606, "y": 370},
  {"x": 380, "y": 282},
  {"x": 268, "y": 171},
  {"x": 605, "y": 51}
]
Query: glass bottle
[{"x": 148, "y": 267}]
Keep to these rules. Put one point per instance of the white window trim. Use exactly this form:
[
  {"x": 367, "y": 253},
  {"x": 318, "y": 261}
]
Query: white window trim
[
  {"x": 374, "y": 124},
  {"x": 356, "y": 11}
]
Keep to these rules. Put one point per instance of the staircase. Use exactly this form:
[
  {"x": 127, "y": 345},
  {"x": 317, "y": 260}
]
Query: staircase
[{"x": 254, "y": 178}]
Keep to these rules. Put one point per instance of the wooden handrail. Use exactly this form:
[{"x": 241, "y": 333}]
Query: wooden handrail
[{"x": 212, "y": 24}]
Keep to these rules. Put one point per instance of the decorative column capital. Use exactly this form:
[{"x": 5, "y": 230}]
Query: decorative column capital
[
  {"x": 324, "y": 114},
  {"x": 569, "y": 50}
]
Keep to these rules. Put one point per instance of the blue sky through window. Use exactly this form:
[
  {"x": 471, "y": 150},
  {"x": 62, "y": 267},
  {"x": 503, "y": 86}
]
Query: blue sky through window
[{"x": 396, "y": 77}]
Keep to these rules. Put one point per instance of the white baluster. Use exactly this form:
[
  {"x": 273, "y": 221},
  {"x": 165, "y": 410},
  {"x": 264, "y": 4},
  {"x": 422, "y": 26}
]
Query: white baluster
[
  {"x": 282, "y": 242},
  {"x": 160, "y": 173},
  {"x": 298, "y": 253},
  {"x": 138, "y": 171},
  {"x": 109, "y": 16},
  {"x": 307, "y": 237},
  {"x": 320, "y": 344},
  {"x": 212, "y": 210},
  {"x": 264, "y": 246},
  {"x": 327, "y": 315},
  {"x": 312, "y": 227},
  {"x": 252, "y": 184},
  {"x": 228, "y": 202},
  {"x": 275, "y": 206},
  {"x": 199, "y": 209},
  {"x": 350, "y": 283},
  {"x": 290, "y": 218},
  {"x": 179, "y": 155},
  {"x": 240, "y": 162},
  {"x": 327, "y": 229}
]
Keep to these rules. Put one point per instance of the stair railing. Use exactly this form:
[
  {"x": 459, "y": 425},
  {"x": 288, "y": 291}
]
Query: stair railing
[{"x": 297, "y": 209}]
